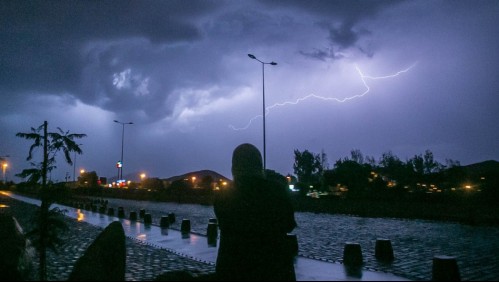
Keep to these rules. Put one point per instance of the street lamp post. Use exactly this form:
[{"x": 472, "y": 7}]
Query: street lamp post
[
  {"x": 4, "y": 167},
  {"x": 263, "y": 110},
  {"x": 120, "y": 169},
  {"x": 142, "y": 177},
  {"x": 74, "y": 167}
]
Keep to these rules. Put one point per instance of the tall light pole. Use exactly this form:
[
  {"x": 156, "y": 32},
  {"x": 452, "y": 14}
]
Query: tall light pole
[
  {"x": 120, "y": 171},
  {"x": 263, "y": 110},
  {"x": 4, "y": 167},
  {"x": 74, "y": 167}
]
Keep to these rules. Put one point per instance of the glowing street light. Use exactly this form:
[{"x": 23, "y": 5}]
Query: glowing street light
[
  {"x": 120, "y": 168},
  {"x": 263, "y": 112}
]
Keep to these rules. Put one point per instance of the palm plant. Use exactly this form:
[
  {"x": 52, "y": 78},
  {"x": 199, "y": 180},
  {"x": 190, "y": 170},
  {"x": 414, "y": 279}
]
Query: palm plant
[{"x": 49, "y": 221}]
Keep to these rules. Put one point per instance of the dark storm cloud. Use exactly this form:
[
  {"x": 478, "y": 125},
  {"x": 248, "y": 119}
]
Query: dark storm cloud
[
  {"x": 322, "y": 55},
  {"x": 339, "y": 19},
  {"x": 344, "y": 9},
  {"x": 180, "y": 71},
  {"x": 42, "y": 39}
]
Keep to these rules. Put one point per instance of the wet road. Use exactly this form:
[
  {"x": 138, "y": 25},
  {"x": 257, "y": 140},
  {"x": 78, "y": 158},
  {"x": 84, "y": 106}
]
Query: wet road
[
  {"x": 322, "y": 237},
  {"x": 415, "y": 242}
]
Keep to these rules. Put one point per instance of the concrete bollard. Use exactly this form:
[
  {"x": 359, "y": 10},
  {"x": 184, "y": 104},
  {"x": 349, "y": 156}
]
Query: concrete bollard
[
  {"x": 142, "y": 212},
  {"x": 133, "y": 215},
  {"x": 352, "y": 254},
  {"x": 383, "y": 250},
  {"x": 121, "y": 212},
  {"x": 164, "y": 222},
  {"x": 110, "y": 212},
  {"x": 292, "y": 243},
  {"x": 171, "y": 217},
  {"x": 147, "y": 218},
  {"x": 445, "y": 269},
  {"x": 185, "y": 227},
  {"x": 212, "y": 233}
]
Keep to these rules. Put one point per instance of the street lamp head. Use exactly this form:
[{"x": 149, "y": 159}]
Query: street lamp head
[
  {"x": 251, "y": 56},
  {"x": 273, "y": 63},
  {"x": 123, "y": 123}
]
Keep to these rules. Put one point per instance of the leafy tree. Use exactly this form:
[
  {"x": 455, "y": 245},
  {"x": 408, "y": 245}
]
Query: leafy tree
[
  {"x": 357, "y": 156},
  {"x": 324, "y": 164},
  {"x": 180, "y": 186},
  {"x": 206, "y": 182},
  {"x": 49, "y": 221},
  {"x": 417, "y": 163},
  {"x": 33, "y": 174},
  {"x": 395, "y": 169},
  {"x": 371, "y": 161},
  {"x": 429, "y": 164},
  {"x": 449, "y": 163},
  {"x": 307, "y": 167},
  {"x": 153, "y": 183},
  {"x": 351, "y": 174},
  {"x": 423, "y": 168},
  {"x": 133, "y": 185},
  {"x": 88, "y": 179},
  {"x": 454, "y": 175}
]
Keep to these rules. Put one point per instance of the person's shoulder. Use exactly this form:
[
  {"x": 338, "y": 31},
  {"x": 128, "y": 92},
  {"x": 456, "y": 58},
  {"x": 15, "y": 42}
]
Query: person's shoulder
[
  {"x": 275, "y": 187},
  {"x": 274, "y": 183},
  {"x": 222, "y": 196}
]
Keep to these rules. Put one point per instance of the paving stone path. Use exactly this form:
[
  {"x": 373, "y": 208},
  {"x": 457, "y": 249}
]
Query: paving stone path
[
  {"x": 320, "y": 236},
  {"x": 323, "y": 236},
  {"x": 144, "y": 262}
]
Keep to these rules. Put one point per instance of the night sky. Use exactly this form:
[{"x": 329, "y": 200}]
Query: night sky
[{"x": 378, "y": 76}]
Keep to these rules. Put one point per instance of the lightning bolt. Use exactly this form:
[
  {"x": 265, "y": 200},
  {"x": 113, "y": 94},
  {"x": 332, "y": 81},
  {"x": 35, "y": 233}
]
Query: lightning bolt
[{"x": 363, "y": 78}]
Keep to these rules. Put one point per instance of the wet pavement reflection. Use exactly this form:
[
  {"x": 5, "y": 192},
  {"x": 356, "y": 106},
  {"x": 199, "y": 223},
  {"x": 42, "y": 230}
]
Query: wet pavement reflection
[{"x": 197, "y": 247}]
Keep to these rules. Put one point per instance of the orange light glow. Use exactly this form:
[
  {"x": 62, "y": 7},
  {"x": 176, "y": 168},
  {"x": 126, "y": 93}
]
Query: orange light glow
[{"x": 81, "y": 216}]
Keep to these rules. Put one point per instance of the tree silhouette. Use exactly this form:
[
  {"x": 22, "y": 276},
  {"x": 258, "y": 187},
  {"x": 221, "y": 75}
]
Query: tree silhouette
[
  {"x": 88, "y": 179},
  {"x": 49, "y": 221},
  {"x": 349, "y": 173},
  {"x": 307, "y": 167},
  {"x": 153, "y": 183}
]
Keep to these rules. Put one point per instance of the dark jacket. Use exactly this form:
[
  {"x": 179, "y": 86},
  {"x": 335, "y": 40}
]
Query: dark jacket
[{"x": 254, "y": 218}]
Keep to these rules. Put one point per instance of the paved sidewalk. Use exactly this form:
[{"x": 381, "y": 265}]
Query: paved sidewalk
[{"x": 195, "y": 247}]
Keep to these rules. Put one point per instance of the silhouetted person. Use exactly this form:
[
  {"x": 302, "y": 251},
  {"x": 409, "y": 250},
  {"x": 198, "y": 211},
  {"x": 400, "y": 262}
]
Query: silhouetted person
[{"x": 254, "y": 216}]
